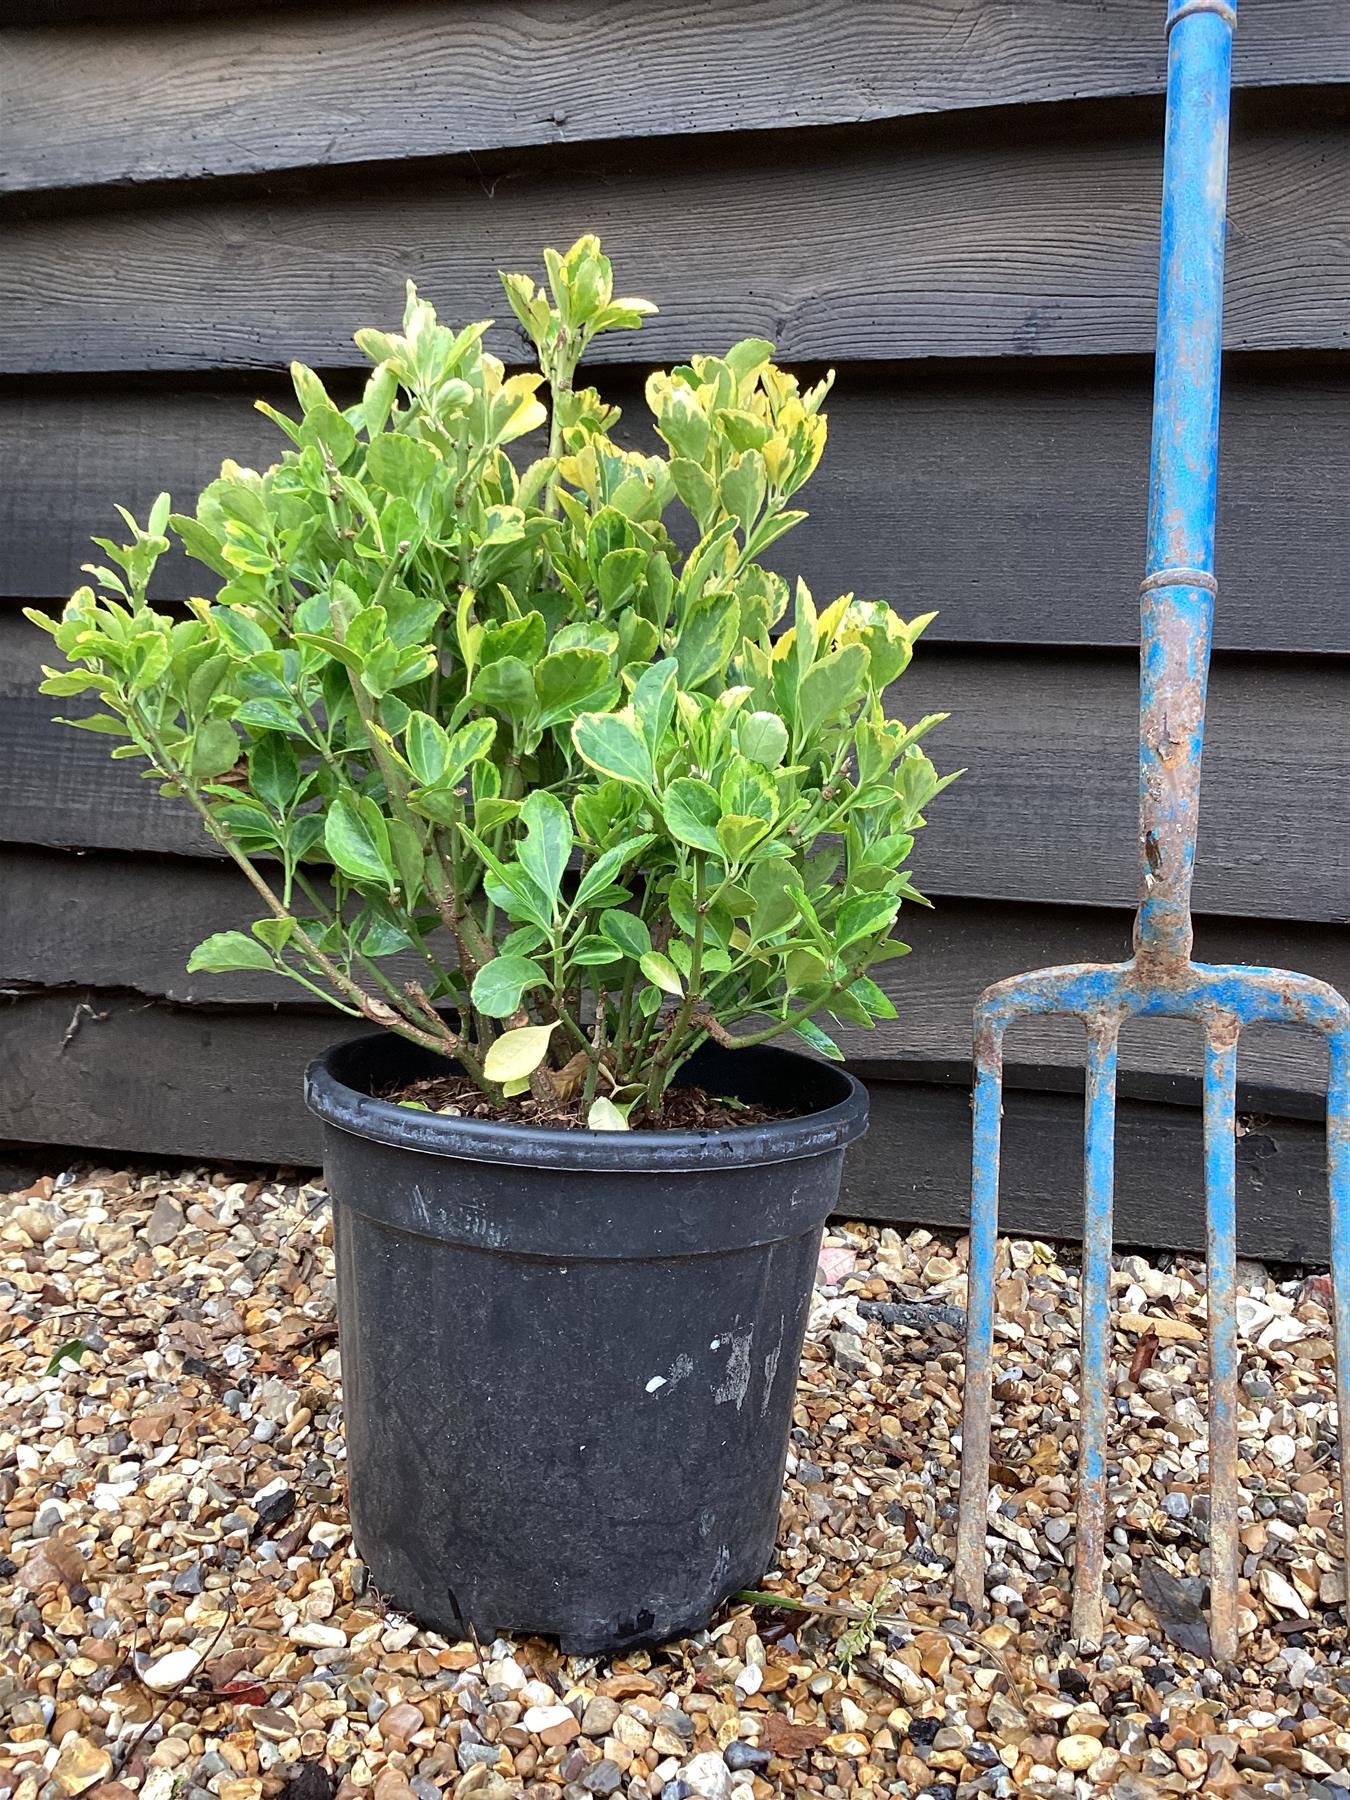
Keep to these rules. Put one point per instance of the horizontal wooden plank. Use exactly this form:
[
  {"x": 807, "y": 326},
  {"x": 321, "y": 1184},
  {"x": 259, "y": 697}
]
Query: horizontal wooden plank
[
  {"x": 1046, "y": 811},
  {"x": 874, "y": 246},
  {"x": 227, "y": 1085},
  {"x": 1011, "y": 499},
  {"x": 173, "y": 99},
  {"x": 913, "y": 1167},
  {"x": 107, "y": 921}
]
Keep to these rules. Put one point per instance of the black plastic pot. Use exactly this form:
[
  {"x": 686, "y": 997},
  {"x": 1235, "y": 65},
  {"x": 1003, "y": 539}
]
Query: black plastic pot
[{"x": 569, "y": 1358}]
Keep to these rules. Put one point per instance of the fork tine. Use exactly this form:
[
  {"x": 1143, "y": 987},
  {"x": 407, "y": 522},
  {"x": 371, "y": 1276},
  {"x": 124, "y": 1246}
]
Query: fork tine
[
  {"x": 1099, "y": 1162},
  {"x": 1220, "y": 1119},
  {"x": 1338, "y": 1171},
  {"x": 973, "y": 1517}
]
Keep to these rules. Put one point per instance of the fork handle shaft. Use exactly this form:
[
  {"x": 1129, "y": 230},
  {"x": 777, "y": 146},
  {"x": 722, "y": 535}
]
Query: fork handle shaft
[{"x": 1177, "y": 598}]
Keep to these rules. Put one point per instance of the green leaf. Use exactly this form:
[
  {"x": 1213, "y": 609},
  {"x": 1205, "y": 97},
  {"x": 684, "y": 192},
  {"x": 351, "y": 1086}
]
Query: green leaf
[
  {"x": 748, "y": 792},
  {"x": 818, "y": 1040},
  {"x": 547, "y": 844},
  {"x": 241, "y": 635},
  {"x": 691, "y": 810},
  {"x": 357, "y": 839},
  {"x": 228, "y": 950},
  {"x": 654, "y": 701},
  {"x": 516, "y": 1054},
  {"x": 103, "y": 723},
  {"x": 877, "y": 1002},
  {"x": 273, "y": 770},
  {"x": 500, "y": 984},
  {"x": 603, "y": 870},
  {"x": 507, "y": 686},
  {"x": 707, "y": 639},
  {"x": 605, "y": 1116},
  {"x": 763, "y": 738},
  {"x": 74, "y": 1348},
  {"x": 400, "y": 464},
  {"x": 829, "y": 687},
  {"x": 770, "y": 884},
  {"x": 738, "y": 833},
  {"x": 628, "y": 931},
  {"x": 614, "y": 744},
  {"x": 696, "y": 489},
  {"x": 215, "y": 749},
  {"x": 661, "y": 972},
  {"x": 863, "y": 917},
  {"x": 567, "y": 682},
  {"x": 470, "y": 744},
  {"x": 427, "y": 746}
]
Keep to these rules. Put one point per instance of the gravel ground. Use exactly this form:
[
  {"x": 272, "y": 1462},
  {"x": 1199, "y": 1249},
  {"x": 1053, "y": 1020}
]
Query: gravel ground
[{"x": 182, "y": 1613}]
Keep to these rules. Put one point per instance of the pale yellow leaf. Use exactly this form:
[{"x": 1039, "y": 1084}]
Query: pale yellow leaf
[{"x": 518, "y": 1053}]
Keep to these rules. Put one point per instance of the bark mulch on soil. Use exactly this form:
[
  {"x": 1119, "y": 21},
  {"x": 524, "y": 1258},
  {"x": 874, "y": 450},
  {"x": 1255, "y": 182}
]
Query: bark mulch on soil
[{"x": 182, "y": 1614}]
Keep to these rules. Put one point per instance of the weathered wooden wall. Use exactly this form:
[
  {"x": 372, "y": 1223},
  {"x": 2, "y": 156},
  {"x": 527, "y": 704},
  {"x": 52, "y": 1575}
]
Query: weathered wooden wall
[{"x": 953, "y": 203}]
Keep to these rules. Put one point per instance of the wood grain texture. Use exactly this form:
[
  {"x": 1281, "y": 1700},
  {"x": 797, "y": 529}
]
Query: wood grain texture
[
  {"x": 172, "y": 99},
  {"x": 1012, "y": 499},
  {"x": 1046, "y": 811},
  {"x": 155, "y": 1080},
  {"x": 72, "y": 920},
  {"x": 873, "y": 245}
]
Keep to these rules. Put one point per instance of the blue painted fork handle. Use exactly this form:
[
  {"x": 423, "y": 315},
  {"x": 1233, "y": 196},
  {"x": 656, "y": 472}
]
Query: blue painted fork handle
[{"x": 1177, "y": 599}]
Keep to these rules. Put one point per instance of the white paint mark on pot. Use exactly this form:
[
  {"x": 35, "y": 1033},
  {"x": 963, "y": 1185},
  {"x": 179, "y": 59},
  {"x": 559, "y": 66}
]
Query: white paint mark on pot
[
  {"x": 737, "y": 1382},
  {"x": 770, "y": 1370},
  {"x": 679, "y": 1369}
]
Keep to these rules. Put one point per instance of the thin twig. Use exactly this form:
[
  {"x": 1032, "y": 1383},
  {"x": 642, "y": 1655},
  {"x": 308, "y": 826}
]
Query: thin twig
[{"x": 176, "y": 1690}]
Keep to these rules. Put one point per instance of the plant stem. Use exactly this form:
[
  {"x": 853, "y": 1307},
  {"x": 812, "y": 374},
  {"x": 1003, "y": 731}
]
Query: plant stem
[{"x": 670, "y": 1042}]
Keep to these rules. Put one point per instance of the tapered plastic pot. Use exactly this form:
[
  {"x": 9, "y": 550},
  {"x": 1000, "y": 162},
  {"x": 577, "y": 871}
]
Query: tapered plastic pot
[{"x": 569, "y": 1358}]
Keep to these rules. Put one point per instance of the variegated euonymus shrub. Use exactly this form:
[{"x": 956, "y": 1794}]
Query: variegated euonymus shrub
[{"x": 453, "y": 705}]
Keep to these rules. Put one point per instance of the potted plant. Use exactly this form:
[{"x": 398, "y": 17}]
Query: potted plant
[{"x": 543, "y": 791}]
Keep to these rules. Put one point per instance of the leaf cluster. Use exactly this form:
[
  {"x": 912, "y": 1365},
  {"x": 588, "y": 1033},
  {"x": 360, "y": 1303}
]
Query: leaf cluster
[{"x": 495, "y": 717}]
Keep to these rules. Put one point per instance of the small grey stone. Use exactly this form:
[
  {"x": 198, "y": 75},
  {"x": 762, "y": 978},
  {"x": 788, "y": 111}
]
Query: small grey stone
[
  {"x": 674, "y": 1720},
  {"x": 1176, "y": 1506},
  {"x": 424, "y": 1789},
  {"x": 745, "y": 1756},
  {"x": 49, "y": 1517},
  {"x": 189, "y": 1580},
  {"x": 164, "y": 1223},
  {"x": 599, "y": 1716},
  {"x": 848, "y": 1353},
  {"x": 575, "y": 1764},
  {"x": 469, "y": 1754},
  {"x": 264, "y": 1431},
  {"x": 603, "y": 1777},
  {"x": 675, "y": 1789}
]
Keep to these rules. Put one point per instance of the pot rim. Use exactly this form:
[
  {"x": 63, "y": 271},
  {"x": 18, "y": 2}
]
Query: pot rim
[{"x": 816, "y": 1133}]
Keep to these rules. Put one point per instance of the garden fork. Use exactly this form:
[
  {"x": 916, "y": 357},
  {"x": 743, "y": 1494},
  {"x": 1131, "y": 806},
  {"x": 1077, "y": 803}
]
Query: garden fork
[{"x": 1160, "y": 980}]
